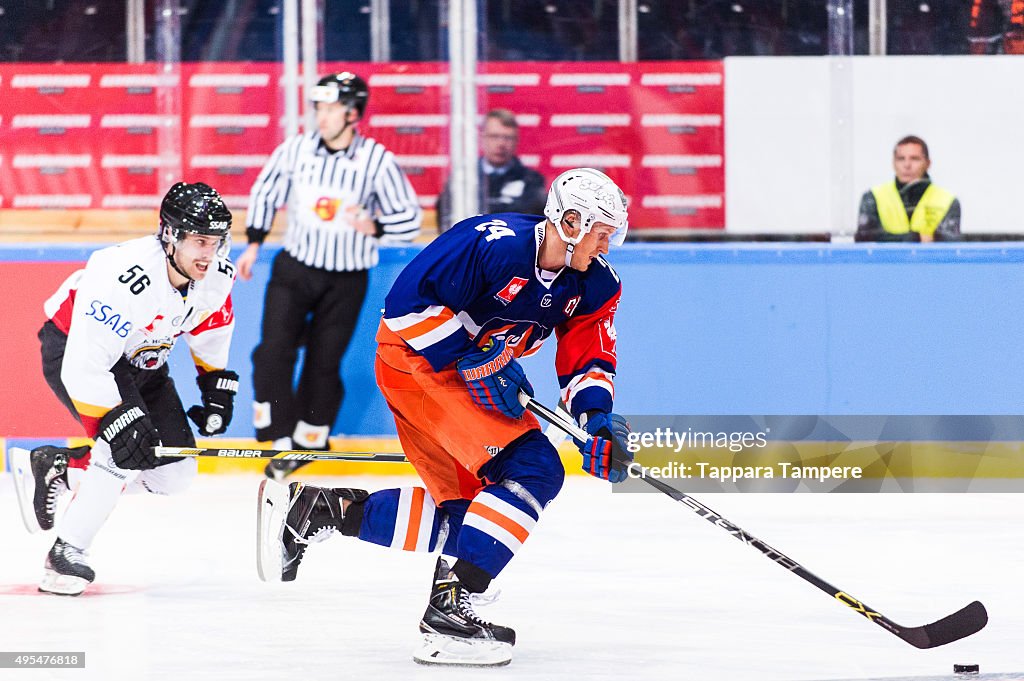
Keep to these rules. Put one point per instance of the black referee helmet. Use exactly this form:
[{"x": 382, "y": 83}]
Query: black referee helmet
[{"x": 345, "y": 87}]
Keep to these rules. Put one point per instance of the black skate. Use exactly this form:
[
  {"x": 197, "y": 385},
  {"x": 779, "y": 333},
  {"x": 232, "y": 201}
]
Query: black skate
[
  {"x": 279, "y": 469},
  {"x": 41, "y": 476},
  {"x": 290, "y": 518},
  {"x": 66, "y": 571},
  {"x": 453, "y": 634}
]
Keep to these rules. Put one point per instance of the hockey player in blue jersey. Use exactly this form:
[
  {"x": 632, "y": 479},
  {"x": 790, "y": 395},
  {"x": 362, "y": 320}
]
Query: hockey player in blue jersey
[{"x": 490, "y": 290}]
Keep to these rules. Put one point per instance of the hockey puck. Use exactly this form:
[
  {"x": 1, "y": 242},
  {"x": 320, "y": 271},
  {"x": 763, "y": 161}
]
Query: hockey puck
[{"x": 965, "y": 669}]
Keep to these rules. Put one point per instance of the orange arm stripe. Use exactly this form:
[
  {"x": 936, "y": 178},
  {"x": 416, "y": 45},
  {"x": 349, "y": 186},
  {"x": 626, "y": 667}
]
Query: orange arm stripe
[{"x": 427, "y": 325}]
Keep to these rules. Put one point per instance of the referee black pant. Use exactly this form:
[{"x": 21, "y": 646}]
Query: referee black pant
[{"x": 312, "y": 307}]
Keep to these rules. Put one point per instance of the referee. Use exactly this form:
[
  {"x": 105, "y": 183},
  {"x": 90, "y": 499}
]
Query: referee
[{"x": 345, "y": 194}]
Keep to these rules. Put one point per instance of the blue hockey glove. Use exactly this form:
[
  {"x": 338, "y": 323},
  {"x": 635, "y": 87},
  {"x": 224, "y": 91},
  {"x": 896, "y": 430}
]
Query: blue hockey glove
[
  {"x": 494, "y": 378},
  {"x": 605, "y": 454}
]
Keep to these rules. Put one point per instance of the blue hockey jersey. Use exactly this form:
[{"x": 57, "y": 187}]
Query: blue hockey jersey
[{"x": 480, "y": 279}]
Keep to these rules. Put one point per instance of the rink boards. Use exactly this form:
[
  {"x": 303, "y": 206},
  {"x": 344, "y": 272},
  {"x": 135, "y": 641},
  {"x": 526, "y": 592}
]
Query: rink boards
[{"x": 748, "y": 328}]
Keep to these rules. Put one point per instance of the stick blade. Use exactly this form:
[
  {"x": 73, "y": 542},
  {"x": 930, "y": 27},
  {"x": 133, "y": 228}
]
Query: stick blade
[{"x": 968, "y": 620}]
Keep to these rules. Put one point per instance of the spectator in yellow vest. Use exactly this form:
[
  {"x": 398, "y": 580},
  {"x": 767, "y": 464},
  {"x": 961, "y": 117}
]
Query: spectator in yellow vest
[{"x": 910, "y": 208}]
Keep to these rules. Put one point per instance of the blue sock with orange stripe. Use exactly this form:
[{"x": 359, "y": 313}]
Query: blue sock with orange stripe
[
  {"x": 483, "y": 534},
  {"x": 527, "y": 475},
  {"x": 496, "y": 525},
  {"x": 405, "y": 518}
]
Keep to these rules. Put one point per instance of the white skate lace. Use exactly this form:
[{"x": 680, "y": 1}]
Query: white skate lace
[
  {"x": 74, "y": 555},
  {"x": 53, "y": 492},
  {"x": 492, "y": 594},
  {"x": 466, "y": 602},
  {"x": 318, "y": 536}
]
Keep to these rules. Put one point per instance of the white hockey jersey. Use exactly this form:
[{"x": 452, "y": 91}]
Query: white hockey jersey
[{"x": 123, "y": 305}]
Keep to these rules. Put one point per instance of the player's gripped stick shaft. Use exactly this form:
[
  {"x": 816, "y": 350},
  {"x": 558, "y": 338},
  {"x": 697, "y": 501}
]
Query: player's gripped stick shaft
[
  {"x": 968, "y": 620},
  {"x": 279, "y": 454}
]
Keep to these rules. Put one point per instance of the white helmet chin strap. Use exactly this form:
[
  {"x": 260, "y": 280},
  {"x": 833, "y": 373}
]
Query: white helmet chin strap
[{"x": 570, "y": 242}]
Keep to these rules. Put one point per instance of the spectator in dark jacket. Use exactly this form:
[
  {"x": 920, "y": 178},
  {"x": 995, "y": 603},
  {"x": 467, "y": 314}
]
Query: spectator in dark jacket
[{"x": 506, "y": 185}]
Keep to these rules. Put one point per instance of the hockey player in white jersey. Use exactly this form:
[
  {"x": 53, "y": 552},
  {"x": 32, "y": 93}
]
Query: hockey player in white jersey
[{"x": 109, "y": 330}]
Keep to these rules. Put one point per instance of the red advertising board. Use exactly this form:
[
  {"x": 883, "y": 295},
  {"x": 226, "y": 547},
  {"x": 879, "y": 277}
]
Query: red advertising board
[{"x": 115, "y": 135}]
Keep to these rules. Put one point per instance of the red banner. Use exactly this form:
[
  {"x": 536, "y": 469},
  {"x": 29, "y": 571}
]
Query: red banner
[{"x": 112, "y": 135}]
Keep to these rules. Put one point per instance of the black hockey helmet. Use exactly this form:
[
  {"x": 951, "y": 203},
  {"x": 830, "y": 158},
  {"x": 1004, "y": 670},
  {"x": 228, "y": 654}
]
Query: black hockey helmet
[
  {"x": 195, "y": 209},
  {"x": 345, "y": 87}
]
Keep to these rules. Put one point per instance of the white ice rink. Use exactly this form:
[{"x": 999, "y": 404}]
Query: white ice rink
[{"x": 608, "y": 587}]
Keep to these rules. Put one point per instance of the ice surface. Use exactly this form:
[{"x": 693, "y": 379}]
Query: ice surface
[{"x": 611, "y": 586}]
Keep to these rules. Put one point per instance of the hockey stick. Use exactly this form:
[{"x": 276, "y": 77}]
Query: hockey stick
[
  {"x": 964, "y": 622},
  {"x": 286, "y": 454}
]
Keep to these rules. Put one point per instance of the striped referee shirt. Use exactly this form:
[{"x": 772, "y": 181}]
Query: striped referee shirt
[{"x": 324, "y": 190}]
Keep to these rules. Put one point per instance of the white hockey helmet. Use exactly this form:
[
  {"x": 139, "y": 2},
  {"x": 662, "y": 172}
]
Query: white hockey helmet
[{"x": 595, "y": 196}]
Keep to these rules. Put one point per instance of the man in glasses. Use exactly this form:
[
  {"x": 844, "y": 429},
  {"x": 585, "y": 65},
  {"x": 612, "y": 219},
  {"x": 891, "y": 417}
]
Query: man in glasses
[{"x": 506, "y": 185}]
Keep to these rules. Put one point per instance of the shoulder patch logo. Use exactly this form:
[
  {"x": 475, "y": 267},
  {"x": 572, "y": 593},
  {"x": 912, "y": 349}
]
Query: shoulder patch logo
[
  {"x": 608, "y": 335},
  {"x": 511, "y": 290},
  {"x": 570, "y": 306}
]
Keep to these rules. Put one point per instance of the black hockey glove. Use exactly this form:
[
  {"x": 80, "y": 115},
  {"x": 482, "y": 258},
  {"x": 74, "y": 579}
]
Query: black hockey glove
[
  {"x": 131, "y": 436},
  {"x": 218, "y": 388}
]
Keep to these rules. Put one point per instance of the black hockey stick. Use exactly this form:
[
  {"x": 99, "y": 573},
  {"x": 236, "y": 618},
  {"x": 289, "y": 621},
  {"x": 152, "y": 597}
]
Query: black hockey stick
[
  {"x": 964, "y": 622},
  {"x": 287, "y": 454}
]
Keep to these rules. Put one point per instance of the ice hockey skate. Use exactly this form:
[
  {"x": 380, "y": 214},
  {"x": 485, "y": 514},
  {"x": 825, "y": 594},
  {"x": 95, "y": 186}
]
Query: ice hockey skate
[
  {"x": 290, "y": 518},
  {"x": 66, "y": 571},
  {"x": 453, "y": 634},
  {"x": 40, "y": 477}
]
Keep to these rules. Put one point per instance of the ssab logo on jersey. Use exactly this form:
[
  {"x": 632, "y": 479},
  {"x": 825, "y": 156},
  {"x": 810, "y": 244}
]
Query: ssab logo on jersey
[
  {"x": 511, "y": 290},
  {"x": 106, "y": 315}
]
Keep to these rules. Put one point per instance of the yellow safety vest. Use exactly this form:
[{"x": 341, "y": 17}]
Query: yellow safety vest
[{"x": 930, "y": 210}]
